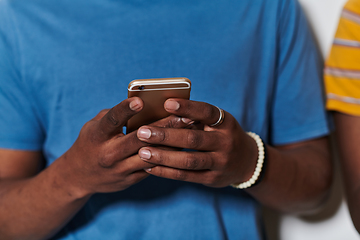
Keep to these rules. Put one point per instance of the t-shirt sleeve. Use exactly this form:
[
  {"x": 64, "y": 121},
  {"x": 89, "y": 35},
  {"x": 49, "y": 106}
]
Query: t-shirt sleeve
[
  {"x": 342, "y": 70},
  {"x": 19, "y": 123},
  {"x": 298, "y": 106}
]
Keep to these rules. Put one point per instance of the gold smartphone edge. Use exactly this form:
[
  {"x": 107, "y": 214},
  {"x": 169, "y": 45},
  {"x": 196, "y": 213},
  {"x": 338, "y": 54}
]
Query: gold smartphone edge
[{"x": 163, "y": 81}]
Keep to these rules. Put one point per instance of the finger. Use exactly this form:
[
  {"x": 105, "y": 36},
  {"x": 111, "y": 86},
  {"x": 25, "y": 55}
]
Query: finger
[
  {"x": 177, "y": 159},
  {"x": 202, "y": 176},
  {"x": 137, "y": 177},
  {"x": 113, "y": 121},
  {"x": 181, "y": 138},
  {"x": 127, "y": 145},
  {"x": 121, "y": 148},
  {"x": 170, "y": 122},
  {"x": 132, "y": 165},
  {"x": 198, "y": 111}
]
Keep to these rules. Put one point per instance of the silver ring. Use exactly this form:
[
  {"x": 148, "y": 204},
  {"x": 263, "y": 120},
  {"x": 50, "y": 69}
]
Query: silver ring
[{"x": 221, "y": 118}]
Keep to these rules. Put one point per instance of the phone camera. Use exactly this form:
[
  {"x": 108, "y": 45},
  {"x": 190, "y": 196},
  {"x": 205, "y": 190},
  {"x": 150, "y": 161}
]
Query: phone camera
[{"x": 141, "y": 87}]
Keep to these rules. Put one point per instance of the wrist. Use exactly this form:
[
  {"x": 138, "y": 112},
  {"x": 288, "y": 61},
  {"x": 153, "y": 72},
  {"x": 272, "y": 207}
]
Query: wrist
[
  {"x": 67, "y": 180},
  {"x": 257, "y": 173}
]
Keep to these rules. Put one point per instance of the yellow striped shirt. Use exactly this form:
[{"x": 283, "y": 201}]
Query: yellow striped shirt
[{"x": 342, "y": 68}]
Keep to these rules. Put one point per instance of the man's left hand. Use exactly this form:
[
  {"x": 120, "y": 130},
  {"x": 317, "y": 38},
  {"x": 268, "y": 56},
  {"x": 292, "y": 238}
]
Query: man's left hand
[{"x": 215, "y": 156}]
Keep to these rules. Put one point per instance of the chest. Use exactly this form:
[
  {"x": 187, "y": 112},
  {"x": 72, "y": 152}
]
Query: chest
[{"x": 82, "y": 62}]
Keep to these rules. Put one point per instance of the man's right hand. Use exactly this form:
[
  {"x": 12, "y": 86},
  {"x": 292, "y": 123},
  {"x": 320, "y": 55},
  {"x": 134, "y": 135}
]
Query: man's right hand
[{"x": 103, "y": 159}]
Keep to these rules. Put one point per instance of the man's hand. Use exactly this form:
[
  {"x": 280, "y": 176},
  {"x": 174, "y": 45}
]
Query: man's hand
[
  {"x": 103, "y": 159},
  {"x": 297, "y": 177},
  {"x": 225, "y": 154}
]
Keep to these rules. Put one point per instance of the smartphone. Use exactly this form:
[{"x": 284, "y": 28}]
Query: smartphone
[{"x": 154, "y": 93}]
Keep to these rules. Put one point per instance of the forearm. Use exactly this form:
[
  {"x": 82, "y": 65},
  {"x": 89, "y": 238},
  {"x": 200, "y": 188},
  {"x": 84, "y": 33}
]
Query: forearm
[
  {"x": 37, "y": 207},
  {"x": 296, "y": 180},
  {"x": 353, "y": 200},
  {"x": 347, "y": 136},
  {"x": 350, "y": 167}
]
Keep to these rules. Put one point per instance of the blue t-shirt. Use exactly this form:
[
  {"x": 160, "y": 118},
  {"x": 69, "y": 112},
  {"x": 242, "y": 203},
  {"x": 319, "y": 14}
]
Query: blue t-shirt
[{"x": 61, "y": 62}]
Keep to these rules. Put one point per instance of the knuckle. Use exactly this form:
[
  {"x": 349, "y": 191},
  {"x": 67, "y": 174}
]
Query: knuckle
[
  {"x": 158, "y": 158},
  {"x": 180, "y": 175},
  {"x": 112, "y": 119},
  {"x": 159, "y": 171},
  {"x": 102, "y": 113},
  {"x": 105, "y": 160},
  {"x": 89, "y": 133},
  {"x": 161, "y": 136},
  {"x": 88, "y": 126},
  {"x": 85, "y": 129},
  {"x": 193, "y": 139},
  {"x": 191, "y": 162},
  {"x": 174, "y": 122},
  {"x": 170, "y": 122}
]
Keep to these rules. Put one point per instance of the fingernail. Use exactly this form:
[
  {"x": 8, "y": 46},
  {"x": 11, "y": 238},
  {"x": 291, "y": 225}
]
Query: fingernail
[
  {"x": 187, "y": 121},
  {"x": 144, "y": 133},
  {"x": 145, "y": 154},
  {"x": 147, "y": 169},
  {"x": 135, "y": 105},
  {"x": 171, "y": 105}
]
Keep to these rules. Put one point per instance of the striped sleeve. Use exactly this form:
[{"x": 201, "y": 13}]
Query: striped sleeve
[{"x": 342, "y": 68}]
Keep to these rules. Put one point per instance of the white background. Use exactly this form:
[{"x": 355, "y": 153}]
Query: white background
[{"x": 334, "y": 222}]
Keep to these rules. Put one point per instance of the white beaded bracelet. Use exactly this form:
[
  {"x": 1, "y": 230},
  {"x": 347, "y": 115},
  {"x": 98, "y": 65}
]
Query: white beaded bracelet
[{"x": 259, "y": 165}]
